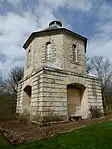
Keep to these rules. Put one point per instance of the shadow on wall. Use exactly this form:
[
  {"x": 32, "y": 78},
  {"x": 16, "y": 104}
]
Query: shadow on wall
[
  {"x": 27, "y": 99},
  {"x": 75, "y": 94}
]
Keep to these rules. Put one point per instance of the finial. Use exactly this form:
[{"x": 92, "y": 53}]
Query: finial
[{"x": 55, "y": 23}]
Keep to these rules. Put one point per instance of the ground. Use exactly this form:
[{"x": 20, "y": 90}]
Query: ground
[
  {"x": 21, "y": 131},
  {"x": 94, "y": 136}
]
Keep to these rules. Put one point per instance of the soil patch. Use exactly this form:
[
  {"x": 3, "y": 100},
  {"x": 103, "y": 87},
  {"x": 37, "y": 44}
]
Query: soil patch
[{"x": 18, "y": 132}]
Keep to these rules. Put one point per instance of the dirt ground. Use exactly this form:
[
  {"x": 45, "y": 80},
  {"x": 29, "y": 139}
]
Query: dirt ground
[{"x": 20, "y": 131}]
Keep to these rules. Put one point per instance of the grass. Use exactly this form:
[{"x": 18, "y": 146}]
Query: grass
[
  {"x": 97, "y": 136},
  {"x": 4, "y": 143}
]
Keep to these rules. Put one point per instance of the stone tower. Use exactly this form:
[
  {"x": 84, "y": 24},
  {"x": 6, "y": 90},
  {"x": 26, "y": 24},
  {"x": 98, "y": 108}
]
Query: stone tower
[{"x": 55, "y": 79}]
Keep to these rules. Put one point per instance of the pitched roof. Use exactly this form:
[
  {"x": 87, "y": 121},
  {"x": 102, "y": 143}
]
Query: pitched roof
[{"x": 53, "y": 30}]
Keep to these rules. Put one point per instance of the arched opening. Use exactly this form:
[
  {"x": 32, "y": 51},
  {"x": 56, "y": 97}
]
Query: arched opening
[
  {"x": 28, "y": 61},
  {"x": 75, "y": 94},
  {"x": 27, "y": 99},
  {"x": 48, "y": 51}
]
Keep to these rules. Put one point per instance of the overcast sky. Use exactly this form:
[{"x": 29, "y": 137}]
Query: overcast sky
[{"x": 18, "y": 18}]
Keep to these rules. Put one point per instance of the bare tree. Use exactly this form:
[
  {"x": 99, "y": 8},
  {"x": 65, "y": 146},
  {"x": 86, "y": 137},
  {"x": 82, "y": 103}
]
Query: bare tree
[
  {"x": 88, "y": 66},
  {"x": 102, "y": 68},
  {"x": 2, "y": 82},
  {"x": 15, "y": 75}
]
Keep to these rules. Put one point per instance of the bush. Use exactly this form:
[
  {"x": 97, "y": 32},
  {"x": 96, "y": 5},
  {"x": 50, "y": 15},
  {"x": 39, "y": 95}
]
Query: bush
[
  {"x": 7, "y": 105},
  {"x": 95, "y": 112}
]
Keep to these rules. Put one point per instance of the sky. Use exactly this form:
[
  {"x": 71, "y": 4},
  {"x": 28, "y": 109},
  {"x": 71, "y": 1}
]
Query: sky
[{"x": 19, "y": 18}]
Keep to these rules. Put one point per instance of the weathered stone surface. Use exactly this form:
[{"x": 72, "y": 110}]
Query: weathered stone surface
[
  {"x": 50, "y": 86},
  {"x": 53, "y": 95}
]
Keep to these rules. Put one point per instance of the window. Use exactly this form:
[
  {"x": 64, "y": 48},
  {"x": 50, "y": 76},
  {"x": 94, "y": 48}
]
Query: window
[
  {"x": 75, "y": 53},
  {"x": 48, "y": 51},
  {"x": 29, "y": 58}
]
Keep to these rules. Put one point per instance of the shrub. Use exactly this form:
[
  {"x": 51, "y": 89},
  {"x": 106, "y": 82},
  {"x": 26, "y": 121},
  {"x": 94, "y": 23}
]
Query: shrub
[{"x": 95, "y": 112}]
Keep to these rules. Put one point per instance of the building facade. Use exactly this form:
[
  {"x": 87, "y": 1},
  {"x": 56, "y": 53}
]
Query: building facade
[{"x": 55, "y": 78}]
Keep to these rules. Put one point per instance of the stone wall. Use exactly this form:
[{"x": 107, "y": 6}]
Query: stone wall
[
  {"x": 61, "y": 53},
  {"x": 55, "y": 91},
  {"x": 37, "y": 95},
  {"x": 94, "y": 93},
  {"x": 19, "y": 98},
  {"x": 38, "y": 51},
  {"x": 49, "y": 93},
  {"x": 54, "y": 94},
  {"x": 68, "y": 42}
]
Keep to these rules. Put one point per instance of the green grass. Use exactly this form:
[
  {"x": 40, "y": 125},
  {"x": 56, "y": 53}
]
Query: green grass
[
  {"x": 4, "y": 143},
  {"x": 97, "y": 136}
]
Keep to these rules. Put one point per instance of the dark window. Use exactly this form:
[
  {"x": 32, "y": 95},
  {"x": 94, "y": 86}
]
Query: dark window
[{"x": 74, "y": 48}]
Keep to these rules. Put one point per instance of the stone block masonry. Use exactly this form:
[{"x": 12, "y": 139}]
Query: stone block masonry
[{"x": 49, "y": 93}]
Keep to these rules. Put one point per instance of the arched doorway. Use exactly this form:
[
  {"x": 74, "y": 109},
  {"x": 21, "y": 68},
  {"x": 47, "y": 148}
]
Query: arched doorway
[
  {"x": 27, "y": 99},
  {"x": 74, "y": 98}
]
